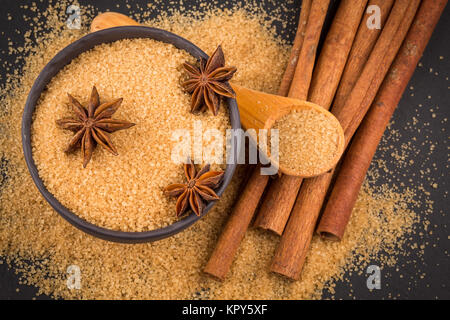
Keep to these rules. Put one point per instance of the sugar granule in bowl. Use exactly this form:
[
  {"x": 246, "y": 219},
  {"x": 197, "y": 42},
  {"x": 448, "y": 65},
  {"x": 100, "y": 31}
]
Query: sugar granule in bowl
[{"x": 124, "y": 192}]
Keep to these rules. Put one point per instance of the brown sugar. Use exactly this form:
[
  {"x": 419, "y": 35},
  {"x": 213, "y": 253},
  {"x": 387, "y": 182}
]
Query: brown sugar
[
  {"x": 308, "y": 141},
  {"x": 40, "y": 245},
  {"x": 124, "y": 192}
]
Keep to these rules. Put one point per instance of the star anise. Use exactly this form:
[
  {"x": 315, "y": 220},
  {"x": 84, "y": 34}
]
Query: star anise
[
  {"x": 199, "y": 188},
  {"x": 209, "y": 82},
  {"x": 93, "y": 125}
]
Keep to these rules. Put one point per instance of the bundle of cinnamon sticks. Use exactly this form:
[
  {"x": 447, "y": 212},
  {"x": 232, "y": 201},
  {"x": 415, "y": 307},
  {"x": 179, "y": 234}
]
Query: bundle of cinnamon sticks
[{"x": 361, "y": 73}]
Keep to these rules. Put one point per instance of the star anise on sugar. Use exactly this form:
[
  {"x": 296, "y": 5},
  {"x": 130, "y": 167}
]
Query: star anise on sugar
[
  {"x": 198, "y": 189},
  {"x": 92, "y": 125},
  {"x": 208, "y": 82}
]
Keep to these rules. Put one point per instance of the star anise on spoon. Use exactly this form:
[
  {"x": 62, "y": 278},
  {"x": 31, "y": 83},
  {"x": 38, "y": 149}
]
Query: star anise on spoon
[
  {"x": 208, "y": 82},
  {"x": 92, "y": 125},
  {"x": 198, "y": 189}
]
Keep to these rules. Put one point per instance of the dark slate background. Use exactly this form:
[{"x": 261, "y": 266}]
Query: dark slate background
[{"x": 403, "y": 281}]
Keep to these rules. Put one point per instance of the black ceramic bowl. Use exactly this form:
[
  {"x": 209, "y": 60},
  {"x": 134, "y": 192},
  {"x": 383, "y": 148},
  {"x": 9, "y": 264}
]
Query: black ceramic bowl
[{"x": 64, "y": 57}]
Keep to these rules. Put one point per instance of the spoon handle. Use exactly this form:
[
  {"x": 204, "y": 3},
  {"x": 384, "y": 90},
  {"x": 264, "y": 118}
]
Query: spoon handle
[{"x": 110, "y": 20}]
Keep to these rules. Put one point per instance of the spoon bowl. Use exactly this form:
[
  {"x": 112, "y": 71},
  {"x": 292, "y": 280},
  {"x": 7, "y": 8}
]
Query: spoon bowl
[{"x": 259, "y": 110}]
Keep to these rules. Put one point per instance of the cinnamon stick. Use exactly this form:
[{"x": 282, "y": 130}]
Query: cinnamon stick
[
  {"x": 222, "y": 257},
  {"x": 303, "y": 73},
  {"x": 364, "y": 42},
  {"x": 362, "y": 149},
  {"x": 291, "y": 252},
  {"x": 286, "y": 81},
  {"x": 280, "y": 198},
  {"x": 351, "y": 113},
  {"x": 268, "y": 217}
]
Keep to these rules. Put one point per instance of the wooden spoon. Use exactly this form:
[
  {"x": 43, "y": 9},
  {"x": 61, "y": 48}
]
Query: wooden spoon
[
  {"x": 110, "y": 20},
  {"x": 258, "y": 110}
]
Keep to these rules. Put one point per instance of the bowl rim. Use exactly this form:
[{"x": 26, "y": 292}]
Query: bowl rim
[{"x": 58, "y": 62}]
